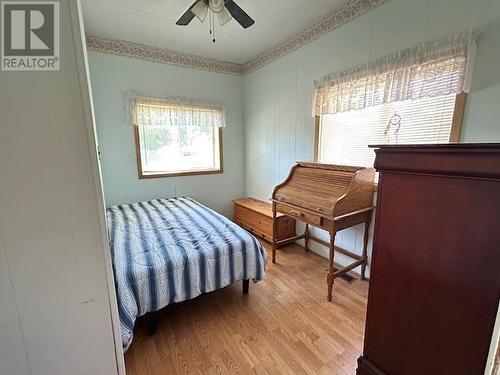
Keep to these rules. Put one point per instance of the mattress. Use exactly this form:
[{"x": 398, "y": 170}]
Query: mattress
[{"x": 171, "y": 250}]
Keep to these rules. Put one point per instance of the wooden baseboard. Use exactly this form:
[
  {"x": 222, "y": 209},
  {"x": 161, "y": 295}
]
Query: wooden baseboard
[{"x": 365, "y": 367}]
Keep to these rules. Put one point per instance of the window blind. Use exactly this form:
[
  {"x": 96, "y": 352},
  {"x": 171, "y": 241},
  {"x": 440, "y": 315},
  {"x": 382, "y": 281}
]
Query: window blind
[{"x": 344, "y": 137}]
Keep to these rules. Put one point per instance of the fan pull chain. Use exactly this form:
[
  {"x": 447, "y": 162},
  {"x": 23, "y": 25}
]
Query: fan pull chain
[{"x": 213, "y": 23}]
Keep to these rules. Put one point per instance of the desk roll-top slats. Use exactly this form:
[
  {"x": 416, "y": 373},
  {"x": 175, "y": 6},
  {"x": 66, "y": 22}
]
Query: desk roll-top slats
[{"x": 329, "y": 190}]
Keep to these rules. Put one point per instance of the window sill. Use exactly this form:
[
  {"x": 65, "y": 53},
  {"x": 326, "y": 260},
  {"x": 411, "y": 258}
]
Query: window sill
[{"x": 152, "y": 175}]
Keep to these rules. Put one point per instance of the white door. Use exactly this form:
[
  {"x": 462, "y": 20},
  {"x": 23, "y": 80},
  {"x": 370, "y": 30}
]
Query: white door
[{"x": 56, "y": 291}]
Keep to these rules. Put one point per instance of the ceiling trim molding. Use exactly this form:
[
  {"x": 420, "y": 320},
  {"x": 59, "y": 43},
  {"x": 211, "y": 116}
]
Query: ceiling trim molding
[
  {"x": 160, "y": 55},
  {"x": 340, "y": 16}
]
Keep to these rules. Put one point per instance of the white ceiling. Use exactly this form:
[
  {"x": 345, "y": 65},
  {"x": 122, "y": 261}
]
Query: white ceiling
[{"x": 152, "y": 22}]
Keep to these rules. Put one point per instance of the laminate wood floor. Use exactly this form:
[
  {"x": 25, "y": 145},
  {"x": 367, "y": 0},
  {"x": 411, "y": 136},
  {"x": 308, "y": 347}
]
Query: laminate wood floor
[{"x": 283, "y": 326}]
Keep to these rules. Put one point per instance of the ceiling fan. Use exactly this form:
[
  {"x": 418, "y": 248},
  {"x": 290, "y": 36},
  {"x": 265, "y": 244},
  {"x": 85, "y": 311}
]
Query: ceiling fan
[{"x": 224, "y": 9}]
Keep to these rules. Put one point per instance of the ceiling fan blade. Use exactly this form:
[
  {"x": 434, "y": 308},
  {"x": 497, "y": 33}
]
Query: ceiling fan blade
[
  {"x": 187, "y": 16},
  {"x": 200, "y": 10},
  {"x": 239, "y": 14},
  {"x": 224, "y": 16}
]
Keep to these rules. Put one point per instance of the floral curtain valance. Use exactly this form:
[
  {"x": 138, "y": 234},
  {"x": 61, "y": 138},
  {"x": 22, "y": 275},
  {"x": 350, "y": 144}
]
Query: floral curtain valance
[
  {"x": 431, "y": 69},
  {"x": 174, "y": 111}
]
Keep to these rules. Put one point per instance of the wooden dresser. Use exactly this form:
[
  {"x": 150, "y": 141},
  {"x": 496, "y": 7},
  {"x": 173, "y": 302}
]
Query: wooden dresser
[
  {"x": 435, "y": 272},
  {"x": 256, "y": 216}
]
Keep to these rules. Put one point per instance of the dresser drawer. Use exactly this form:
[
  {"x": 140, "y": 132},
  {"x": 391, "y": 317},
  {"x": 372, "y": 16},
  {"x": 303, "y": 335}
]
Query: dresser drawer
[{"x": 304, "y": 216}]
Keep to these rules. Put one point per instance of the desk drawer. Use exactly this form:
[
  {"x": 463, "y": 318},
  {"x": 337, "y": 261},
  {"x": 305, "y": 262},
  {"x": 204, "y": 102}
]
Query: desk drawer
[{"x": 300, "y": 215}]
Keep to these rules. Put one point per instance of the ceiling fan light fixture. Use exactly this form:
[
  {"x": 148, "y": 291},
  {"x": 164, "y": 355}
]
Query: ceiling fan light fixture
[
  {"x": 200, "y": 10},
  {"x": 217, "y": 6},
  {"x": 224, "y": 16},
  {"x": 226, "y": 10}
]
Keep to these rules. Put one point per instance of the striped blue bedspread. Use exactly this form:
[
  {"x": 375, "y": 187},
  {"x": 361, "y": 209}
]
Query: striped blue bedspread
[{"x": 172, "y": 250}]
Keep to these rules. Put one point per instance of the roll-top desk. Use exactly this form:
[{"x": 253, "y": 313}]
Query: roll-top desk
[{"x": 330, "y": 197}]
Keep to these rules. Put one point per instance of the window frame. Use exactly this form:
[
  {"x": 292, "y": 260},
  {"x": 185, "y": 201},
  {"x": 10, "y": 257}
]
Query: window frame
[
  {"x": 456, "y": 124},
  {"x": 149, "y": 175}
]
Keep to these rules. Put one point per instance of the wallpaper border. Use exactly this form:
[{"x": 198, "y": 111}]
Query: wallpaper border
[
  {"x": 340, "y": 16},
  {"x": 161, "y": 55}
]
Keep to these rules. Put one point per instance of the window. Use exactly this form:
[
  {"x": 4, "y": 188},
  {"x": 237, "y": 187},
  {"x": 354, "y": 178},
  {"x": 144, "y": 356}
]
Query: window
[
  {"x": 414, "y": 96},
  {"x": 343, "y": 138},
  {"x": 175, "y": 139}
]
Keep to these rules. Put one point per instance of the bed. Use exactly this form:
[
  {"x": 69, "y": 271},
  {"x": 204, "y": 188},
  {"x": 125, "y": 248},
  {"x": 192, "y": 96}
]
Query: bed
[{"x": 171, "y": 250}]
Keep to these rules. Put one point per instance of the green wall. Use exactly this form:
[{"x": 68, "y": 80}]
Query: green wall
[
  {"x": 110, "y": 76},
  {"x": 279, "y": 127},
  {"x": 482, "y": 117},
  {"x": 269, "y": 122}
]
